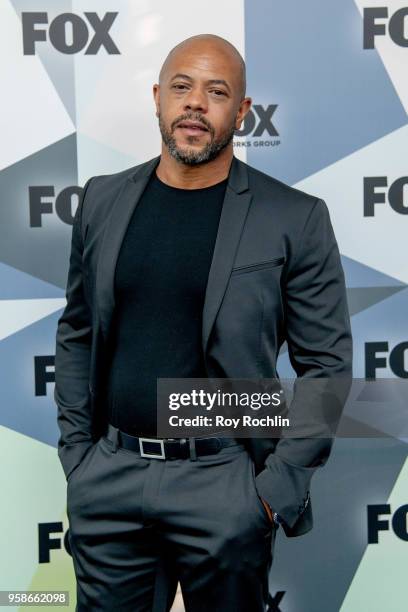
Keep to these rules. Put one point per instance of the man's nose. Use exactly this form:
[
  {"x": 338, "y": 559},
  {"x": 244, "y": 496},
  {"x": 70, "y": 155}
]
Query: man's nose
[{"x": 196, "y": 100}]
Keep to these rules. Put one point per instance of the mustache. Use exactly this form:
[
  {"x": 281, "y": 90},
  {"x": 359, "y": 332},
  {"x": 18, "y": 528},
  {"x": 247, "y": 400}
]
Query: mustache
[{"x": 191, "y": 118}]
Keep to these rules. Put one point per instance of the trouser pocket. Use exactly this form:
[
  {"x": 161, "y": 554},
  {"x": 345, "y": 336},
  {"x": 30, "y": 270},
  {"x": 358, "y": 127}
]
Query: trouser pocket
[
  {"x": 77, "y": 474},
  {"x": 269, "y": 523}
]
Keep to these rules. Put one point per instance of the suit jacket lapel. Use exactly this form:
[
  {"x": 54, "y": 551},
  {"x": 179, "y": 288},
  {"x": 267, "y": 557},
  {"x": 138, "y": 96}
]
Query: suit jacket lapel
[
  {"x": 234, "y": 210},
  {"x": 114, "y": 233},
  {"x": 233, "y": 214}
]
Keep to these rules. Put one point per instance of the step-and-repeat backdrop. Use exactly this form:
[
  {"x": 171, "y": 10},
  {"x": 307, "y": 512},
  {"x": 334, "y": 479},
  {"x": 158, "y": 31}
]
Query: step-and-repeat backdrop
[{"x": 328, "y": 80}]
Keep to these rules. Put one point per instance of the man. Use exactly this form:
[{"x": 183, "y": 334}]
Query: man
[{"x": 192, "y": 264}]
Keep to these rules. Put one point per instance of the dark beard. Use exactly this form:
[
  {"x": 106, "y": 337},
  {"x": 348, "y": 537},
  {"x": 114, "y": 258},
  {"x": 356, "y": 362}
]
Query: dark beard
[{"x": 191, "y": 157}]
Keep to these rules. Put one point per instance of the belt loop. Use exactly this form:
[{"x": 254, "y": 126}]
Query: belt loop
[
  {"x": 114, "y": 439},
  {"x": 193, "y": 452}
]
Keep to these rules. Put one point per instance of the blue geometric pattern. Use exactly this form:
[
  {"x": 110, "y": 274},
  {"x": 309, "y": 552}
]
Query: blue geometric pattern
[{"x": 333, "y": 96}]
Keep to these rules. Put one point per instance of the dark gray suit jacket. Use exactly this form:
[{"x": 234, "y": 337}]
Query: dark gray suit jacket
[{"x": 275, "y": 275}]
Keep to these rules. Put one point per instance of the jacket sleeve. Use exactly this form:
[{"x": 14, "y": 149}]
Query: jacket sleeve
[
  {"x": 72, "y": 358},
  {"x": 318, "y": 335}
]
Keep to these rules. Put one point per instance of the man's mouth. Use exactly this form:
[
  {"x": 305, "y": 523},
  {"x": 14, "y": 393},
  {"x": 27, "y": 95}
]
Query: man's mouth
[{"x": 192, "y": 127}]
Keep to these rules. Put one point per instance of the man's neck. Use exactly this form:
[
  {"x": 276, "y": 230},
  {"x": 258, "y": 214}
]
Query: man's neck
[{"x": 177, "y": 174}]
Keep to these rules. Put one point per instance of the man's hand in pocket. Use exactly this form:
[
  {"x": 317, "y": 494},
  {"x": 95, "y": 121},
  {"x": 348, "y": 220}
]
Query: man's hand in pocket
[{"x": 268, "y": 509}]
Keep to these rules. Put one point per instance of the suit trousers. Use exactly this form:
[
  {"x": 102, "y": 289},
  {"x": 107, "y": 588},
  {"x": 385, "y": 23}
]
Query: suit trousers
[{"x": 138, "y": 526}]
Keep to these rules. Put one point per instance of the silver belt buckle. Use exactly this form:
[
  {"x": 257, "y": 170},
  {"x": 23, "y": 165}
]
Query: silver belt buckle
[{"x": 152, "y": 455}]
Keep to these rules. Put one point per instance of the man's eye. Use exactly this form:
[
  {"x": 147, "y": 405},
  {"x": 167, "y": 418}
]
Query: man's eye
[{"x": 216, "y": 91}]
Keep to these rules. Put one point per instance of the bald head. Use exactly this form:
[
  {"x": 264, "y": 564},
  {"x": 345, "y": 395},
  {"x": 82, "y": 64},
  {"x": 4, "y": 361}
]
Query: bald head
[{"x": 209, "y": 44}]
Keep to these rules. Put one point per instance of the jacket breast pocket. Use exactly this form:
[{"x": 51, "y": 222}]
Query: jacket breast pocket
[{"x": 260, "y": 265}]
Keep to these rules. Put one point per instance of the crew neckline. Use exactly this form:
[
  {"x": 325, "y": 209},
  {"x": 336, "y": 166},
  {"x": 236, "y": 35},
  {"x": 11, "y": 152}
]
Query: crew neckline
[{"x": 167, "y": 187}]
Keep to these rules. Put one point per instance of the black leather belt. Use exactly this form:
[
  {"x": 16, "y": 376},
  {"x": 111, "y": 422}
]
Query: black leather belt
[{"x": 168, "y": 448}]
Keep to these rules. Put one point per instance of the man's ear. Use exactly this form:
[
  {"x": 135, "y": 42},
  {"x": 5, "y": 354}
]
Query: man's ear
[
  {"x": 156, "y": 96},
  {"x": 244, "y": 109}
]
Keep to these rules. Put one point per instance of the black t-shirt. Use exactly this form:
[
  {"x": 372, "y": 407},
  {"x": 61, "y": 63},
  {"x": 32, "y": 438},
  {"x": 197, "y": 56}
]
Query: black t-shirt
[{"x": 160, "y": 281}]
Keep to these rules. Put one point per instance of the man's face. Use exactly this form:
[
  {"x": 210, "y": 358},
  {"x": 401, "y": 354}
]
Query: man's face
[{"x": 198, "y": 86}]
